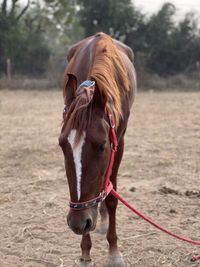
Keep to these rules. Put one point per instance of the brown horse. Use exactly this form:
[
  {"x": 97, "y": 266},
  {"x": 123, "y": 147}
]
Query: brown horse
[{"x": 100, "y": 82}]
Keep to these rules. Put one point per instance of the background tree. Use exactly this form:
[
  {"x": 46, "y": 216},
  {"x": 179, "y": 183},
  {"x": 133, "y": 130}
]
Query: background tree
[
  {"x": 115, "y": 17},
  {"x": 185, "y": 45},
  {"x": 29, "y": 34},
  {"x": 61, "y": 24},
  {"x": 169, "y": 47},
  {"x": 32, "y": 33},
  {"x": 158, "y": 38},
  {"x": 21, "y": 39}
]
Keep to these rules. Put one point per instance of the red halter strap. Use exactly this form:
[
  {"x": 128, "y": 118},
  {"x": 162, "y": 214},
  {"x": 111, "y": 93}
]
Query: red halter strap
[{"x": 107, "y": 184}]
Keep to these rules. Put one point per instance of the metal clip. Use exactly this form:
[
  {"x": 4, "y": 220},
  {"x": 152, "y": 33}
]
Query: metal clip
[
  {"x": 103, "y": 194},
  {"x": 112, "y": 124},
  {"x": 113, "y": 147}
]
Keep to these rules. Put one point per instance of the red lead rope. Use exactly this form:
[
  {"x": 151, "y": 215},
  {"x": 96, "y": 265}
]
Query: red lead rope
[
  {"x": 143, "y": 216},
  {"x": 109, "y": 189}
]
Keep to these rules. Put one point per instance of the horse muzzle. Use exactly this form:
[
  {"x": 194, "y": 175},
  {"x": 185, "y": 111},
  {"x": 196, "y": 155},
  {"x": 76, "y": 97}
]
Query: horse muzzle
[{"x": 82, "y": 222}]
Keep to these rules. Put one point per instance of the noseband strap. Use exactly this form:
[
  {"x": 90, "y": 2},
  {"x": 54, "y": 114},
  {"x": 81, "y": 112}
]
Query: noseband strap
[
  {"x": 107, "y": 184},
  {"x": 93, "y": 202}
]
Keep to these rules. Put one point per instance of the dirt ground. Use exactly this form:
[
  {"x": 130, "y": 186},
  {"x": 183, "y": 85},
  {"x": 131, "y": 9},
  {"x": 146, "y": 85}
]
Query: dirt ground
[{"x": 160, "y": 174}]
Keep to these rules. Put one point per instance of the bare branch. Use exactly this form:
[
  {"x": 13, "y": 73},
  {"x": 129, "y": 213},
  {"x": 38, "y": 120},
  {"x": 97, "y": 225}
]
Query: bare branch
[
  {"x": 4, "y": 7},
  {"x": 23, "y": 10},
  {"x": 13, "y": 6}
]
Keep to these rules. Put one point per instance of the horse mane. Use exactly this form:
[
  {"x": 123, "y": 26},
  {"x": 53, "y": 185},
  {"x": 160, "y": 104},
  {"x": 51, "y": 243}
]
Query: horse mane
[
  {"x": 110, "y": 73},
  {"x": 111, "y": 77}
]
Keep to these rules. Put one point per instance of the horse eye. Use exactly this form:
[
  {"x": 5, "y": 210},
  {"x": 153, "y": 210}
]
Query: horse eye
[{"x": 101, "y": 147}]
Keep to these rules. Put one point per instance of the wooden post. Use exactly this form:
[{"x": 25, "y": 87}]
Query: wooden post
[{"x": 8, "y": 69}]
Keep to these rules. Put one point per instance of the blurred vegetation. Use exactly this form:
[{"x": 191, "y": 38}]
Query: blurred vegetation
[{"x": 34, "y": 33}]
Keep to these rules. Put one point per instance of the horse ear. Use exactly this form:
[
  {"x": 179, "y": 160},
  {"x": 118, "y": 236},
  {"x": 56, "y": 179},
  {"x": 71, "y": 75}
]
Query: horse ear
[
  {"x": 99, "y": 98},
  {"x": 70, "y": 85}
]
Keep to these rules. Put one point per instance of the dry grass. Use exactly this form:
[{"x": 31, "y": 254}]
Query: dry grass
[
  {"x": 28, "y": 83},
  {"x": 146, "y": 81},
  {"x": 181, "y": 82}
]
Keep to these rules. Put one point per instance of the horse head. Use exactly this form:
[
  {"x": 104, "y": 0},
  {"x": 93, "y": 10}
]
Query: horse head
[{"x": 85, "y": 142}]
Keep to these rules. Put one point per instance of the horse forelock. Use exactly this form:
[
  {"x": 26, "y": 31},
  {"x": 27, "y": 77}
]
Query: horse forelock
[{"x": 78, "y": 116}]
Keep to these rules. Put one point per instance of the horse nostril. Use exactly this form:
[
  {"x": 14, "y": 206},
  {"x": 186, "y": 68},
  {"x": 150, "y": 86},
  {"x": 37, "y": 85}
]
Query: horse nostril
[{"x": 88, "y": 225}]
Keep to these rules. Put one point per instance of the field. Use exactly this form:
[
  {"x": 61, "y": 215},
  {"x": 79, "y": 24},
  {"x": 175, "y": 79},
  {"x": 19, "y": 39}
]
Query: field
[{"x": 160, "y": 174}]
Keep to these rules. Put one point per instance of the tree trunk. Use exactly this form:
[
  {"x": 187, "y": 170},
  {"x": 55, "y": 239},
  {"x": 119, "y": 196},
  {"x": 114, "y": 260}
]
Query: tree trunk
[{"x": 8, "y": 69}]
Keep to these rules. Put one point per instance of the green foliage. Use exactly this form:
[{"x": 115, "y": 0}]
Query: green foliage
[
  {"x": 31, "y": 32},
  {"x": 185, "y": 44},
  {"x": 62, "y": 25},
  {"x": 22, "y": 40},
  {"x": 31, "y": 55},
  {"x": 168, "y": 48},
  {"x": 115, "y": 17},
  {"x": 171, "y": 48},
  {"x": 158, "y": 38}
]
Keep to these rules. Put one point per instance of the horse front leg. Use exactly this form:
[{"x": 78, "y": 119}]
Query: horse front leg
[
  {"x": 114, "y": 258},
  {"x": 103, "y": 226},
  {"x": 86, "y": 245}
]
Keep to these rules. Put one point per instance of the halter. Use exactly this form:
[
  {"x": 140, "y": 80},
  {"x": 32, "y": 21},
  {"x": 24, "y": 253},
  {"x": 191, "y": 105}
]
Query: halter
[{"x": 107, "y": 183}]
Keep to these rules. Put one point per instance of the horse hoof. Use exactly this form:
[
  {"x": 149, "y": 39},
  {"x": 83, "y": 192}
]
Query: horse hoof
[
  {"x": 82, "y": 263},
  {"x": 102, "y": 229},
  {"x": 115, "y": 261}
]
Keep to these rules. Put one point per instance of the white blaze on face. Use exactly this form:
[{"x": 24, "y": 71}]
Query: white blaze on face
[{"x": 77, "y": 152}]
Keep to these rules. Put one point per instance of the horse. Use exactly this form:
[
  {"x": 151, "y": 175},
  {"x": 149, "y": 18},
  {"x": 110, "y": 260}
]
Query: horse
[{"x": 99, "y": 90}]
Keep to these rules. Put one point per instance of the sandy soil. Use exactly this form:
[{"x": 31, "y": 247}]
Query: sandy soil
[{"x": 160, "y": 175}]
